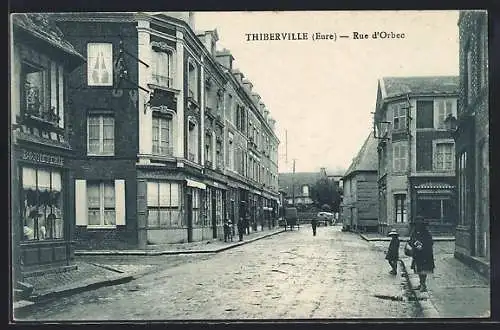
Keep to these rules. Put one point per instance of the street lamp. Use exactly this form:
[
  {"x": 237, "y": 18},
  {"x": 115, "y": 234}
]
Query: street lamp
[{"x": 450, "y": 123}]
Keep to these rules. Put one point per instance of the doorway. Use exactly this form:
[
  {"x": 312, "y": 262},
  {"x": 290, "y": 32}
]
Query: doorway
[{"x": 189, "y": 209}]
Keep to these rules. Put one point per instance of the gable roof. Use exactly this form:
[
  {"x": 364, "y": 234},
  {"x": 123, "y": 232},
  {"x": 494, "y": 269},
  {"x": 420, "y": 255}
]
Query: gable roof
[
  {"x": 398, "y": 86},
  {"x": 41, "y": 26},
  {"x": 287, "y": 180},
  {"x": 367, "y": 157}
]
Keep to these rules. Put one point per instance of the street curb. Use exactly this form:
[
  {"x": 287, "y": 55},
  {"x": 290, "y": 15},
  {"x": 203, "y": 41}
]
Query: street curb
[
  {"x": 157, "y": 253},
  {"x": 405, "y": 239},
  {"x": 421, "y": 298},
  {"x": 44, "y": 297}
]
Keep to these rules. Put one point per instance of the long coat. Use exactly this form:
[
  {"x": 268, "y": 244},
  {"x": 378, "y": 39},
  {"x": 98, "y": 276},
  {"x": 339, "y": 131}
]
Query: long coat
[
  {"x": 393, "y": 251},
  {"x": 423, "y": 257}
]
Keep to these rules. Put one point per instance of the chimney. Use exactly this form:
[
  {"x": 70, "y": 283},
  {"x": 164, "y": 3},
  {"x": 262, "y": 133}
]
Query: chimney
[
  {"x": 256, "y": 98},
  {"x": 191, "y": 20},
  {"x": 225, "y": 58},
  {"x": 262, "y": 106},
  {"x": 209, "y": 40},
  {"x": 271, "y": 122},
  {"x": 248, "y": 85},
  {"x": 266, "y": 114},
  {"x": 239, "y": 75}
]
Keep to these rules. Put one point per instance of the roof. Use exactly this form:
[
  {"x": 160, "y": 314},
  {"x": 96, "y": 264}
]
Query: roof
[
  {"x": 398, "y": 86},
  {"x": 42, "y": 27},
  {"x": 367, "y": 157}
]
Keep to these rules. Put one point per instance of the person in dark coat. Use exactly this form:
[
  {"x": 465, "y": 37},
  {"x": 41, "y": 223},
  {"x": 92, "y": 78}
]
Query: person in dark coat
[
  {"x": 314, "y": 224},
  {"x": 423, "y": 256},
  {"x": 241, "y": 228},
  {"x": 392, "y": 255}
]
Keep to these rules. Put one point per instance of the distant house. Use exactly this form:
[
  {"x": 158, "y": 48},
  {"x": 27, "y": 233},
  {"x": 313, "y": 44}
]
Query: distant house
[
  {"x": 300, "y": 185},
  {"x": 359, "y": 208}
]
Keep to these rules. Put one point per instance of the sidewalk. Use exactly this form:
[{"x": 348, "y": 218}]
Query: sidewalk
[
  {"x": 376, "y": 237},
  {"x": 454, "y": 290},
  {"x": 89, "y": 275},
  {"x": 207, "y": 246}
]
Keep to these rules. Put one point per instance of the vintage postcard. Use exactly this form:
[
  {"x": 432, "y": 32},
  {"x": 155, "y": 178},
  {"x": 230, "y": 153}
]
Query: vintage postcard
[{"x": 258, "y": 165}]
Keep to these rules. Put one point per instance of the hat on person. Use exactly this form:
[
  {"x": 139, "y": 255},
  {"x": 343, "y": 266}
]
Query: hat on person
[{"x": 393, "y": 232}]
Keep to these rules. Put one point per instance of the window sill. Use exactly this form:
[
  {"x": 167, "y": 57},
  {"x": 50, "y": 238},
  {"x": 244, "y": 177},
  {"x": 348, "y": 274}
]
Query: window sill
[{"x": 99, "y": 227}]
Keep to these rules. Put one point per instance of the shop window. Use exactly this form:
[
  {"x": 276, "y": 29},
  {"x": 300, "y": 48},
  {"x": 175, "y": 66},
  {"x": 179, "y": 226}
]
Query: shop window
[
  {"x": 163, "y": 205},
  {"x": 101, "y": 203},
  {"x": 400, "y": 207},
  {"x": 100, "y": 135},
  {"x": 100, "y": 64},
  {"x": 42, "y": 211},
  {"x": 197, "y": 219},
  {"x": 436, "y": 209},
  {"x": 162, "y": 135}
]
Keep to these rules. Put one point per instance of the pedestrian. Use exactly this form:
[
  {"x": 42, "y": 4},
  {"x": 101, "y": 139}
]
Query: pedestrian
[
  {"x": 314, "y": 224},
  {"x": 241, "y": 228},
  {"x": 392, "y": 255},
  {"x": 421, "y": 243},
  {"x": 226, "y": 230}
]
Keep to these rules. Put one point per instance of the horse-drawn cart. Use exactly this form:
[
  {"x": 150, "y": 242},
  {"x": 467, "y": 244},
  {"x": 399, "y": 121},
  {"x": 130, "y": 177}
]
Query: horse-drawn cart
[{"x": 291, "y": 218}]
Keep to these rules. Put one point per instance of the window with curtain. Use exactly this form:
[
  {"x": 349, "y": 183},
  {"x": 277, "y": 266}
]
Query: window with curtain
[
  {"x": 163, "y": 205},
  {"x": 101, "y": 203},
  {"x": 162, "y": 68},
  {"x": 42, "y": 202},
  {"x": 444, "y": 157},
  {"x": 100, "y": 64},
  {"x": 100, "y": 135},
  {"x": 162, "y": 135}
]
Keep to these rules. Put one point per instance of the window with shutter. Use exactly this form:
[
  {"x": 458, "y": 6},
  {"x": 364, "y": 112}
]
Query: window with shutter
[
  {"x": 100, "y": 135},
  {"x": 102, "y": 202}
]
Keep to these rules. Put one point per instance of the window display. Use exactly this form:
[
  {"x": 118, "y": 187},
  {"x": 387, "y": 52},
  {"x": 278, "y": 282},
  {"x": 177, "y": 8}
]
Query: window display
[{"x": 42, "y": 204}]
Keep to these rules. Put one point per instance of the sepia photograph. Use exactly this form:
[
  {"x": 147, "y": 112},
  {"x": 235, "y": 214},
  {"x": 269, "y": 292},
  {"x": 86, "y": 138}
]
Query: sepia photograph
[{"x": 249, "y": 165}]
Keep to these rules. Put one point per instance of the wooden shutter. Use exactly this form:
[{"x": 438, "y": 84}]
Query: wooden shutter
[
  {"x": 81, "y": 203},
  {"x": 120, "y": 202}
]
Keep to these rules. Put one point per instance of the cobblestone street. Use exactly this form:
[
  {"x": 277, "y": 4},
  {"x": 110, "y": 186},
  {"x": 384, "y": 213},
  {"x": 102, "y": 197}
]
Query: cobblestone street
[{"x": 290, "y": 275}]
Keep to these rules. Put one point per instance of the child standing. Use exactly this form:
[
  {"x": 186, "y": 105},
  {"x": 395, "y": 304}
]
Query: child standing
[{"x": 392, "y": 255}]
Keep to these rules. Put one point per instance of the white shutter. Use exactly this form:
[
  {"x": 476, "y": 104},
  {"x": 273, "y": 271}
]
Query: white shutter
[
  {"x": 120, "y": 202},
  {"x": 81, "y": 203}
]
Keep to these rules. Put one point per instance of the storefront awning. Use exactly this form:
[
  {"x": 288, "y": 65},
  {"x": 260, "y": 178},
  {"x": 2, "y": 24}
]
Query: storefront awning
[{"x": 195, "y": 184}]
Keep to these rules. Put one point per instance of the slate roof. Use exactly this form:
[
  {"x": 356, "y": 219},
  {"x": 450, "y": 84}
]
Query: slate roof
[
  {"x": 397, "y": 86},
  {"x": 40, "y": 26},
  {"x": 285, "y": 181},
  {"x": 367, "y": 157}
]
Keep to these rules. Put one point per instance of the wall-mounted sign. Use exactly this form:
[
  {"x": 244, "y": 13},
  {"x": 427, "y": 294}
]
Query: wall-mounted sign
[{"x": 39, "y": 157}]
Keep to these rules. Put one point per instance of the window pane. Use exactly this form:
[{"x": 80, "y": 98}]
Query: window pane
[
  {"x": 43, "y": 180},
  {"x": 153, "y": 217},
  {"x": 94, "y": 217},
  {"x": 175, "y": 195},
  {"x": 164, "y": 194},
  {"x": 175, "y": 220},
  {"x": 152, "y": 191},
  {"x": 109, "y": 218},
  {"x": 164, "y": 218},
  {"x": 93, "y": 196},
  {"x": 109, "y": 195},
  {"x": 156, "y": 135}
]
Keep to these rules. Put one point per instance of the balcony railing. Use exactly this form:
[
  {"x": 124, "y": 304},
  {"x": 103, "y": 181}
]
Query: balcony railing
[{"x": 162, "y": 80}]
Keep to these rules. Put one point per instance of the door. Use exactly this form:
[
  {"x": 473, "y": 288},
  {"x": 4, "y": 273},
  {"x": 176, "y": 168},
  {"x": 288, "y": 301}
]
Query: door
[
  {"x": 189, "y": 210},
  {"x": 214, "y": 214}
]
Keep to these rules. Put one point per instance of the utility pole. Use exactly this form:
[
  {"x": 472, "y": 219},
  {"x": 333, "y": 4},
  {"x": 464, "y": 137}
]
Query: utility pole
[{"x": 293, "y": 184}]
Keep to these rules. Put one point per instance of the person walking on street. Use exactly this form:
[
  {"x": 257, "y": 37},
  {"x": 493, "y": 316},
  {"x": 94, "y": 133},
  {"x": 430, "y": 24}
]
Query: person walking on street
[
  {"x": 421, "y": 243},
  {"x": 241, "y": 228},
  {"x": 314, "y": 224},
  {"x": 392, "y": 255}
]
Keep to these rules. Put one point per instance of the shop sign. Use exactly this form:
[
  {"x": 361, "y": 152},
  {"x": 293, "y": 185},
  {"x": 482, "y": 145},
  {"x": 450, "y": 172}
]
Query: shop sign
[{"x": 42, "y": 158}]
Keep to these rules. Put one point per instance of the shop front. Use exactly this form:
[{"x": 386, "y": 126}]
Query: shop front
[
  {"x": 43, "y": 217},
  {"x": 435, "y": 201}
]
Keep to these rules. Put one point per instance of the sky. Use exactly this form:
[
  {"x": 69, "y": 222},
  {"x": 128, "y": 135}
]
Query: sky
[{"x": 322, "y": 92}]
